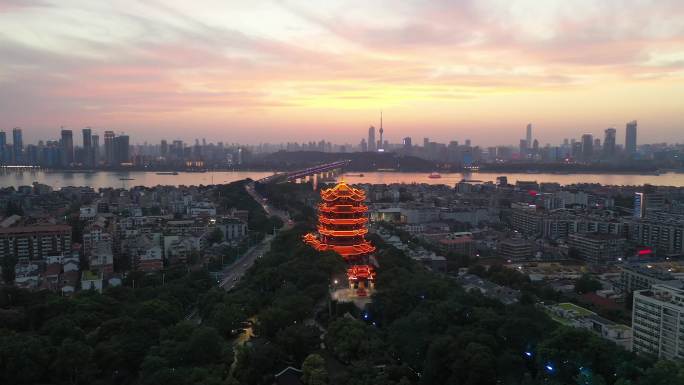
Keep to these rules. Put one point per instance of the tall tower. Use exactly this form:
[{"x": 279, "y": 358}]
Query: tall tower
[
  {"x": 96, "y": 149},
  {"x": 89, "y": 155},
  {"x": 528, "y": 135},
  {"x": 17, "y": 145},
  {"x": 342, "y": 219},
  {"x": 121, "y": 150},
  {"x": 371, "y": 139},
  {"x": 631, "y": 137},
  {"x": 67, "y": 148},
  {"x": 609, "y": 143},
  {"x": 587, "y": 146},
  {"x": 3, "y": 146},
  {"x": 381, "y": 146},
  {"x": 109, "y": 147}
]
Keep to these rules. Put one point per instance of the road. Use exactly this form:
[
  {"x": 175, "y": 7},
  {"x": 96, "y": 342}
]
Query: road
[
  {"x": 234, "y": 272},
  {"x": 270, "y": 210}
]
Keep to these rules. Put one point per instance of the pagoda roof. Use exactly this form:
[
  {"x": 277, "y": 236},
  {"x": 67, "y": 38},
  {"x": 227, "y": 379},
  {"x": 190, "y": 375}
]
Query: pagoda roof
[{"x": 343, "y": 190}]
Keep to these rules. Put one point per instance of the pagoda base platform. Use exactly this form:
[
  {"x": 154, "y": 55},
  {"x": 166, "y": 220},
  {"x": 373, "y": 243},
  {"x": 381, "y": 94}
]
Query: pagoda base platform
[{"x": 351, "y": 295}]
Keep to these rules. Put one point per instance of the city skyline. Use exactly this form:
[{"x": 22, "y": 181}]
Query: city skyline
[
  {"x": 55, "y": 136},
  {"x": 282, "y": 71}
]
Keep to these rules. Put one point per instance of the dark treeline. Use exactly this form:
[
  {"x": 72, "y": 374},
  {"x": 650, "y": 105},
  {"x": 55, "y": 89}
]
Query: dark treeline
[{"x": 122, "y": 336}]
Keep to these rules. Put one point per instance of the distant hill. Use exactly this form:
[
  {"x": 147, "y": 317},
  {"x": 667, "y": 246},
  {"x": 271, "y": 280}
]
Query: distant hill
[{"x": 360, "y": 161}]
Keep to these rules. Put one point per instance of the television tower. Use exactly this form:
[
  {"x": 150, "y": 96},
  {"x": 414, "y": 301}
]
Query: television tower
[{"x": 380, "y": 147}]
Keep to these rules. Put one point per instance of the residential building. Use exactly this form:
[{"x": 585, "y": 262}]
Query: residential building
[
  {"x": 642, "y": 277},
  {"x": 232, "y": 229},
  {"x": 102, "y": 258},
  {"x": 460, "y": 243},
  {"x": 665, "y": 236},
  {"x": 597, "y": 248},
  {"x": 515, "y": 249},
  {"x": 34, "y": 242},
  {"x": 658, "y": 321},
  {"x": 92, "y": 280}
]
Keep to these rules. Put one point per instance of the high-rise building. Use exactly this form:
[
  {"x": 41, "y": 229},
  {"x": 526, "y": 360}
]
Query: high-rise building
[
  {"x": 528, "y": 135},
  {"x": 631, "y": 137},
  {"x": 523, "y": 147},
  {"x": 87, "y": 137},
  {"x": 609, "y": 143},
  {"x": 17, "y": 145},
  {"x": 109, "y": 147},
  {"x": 363, "y": 145},
  {"x": 88, "y": 158},
  {"x": 3, "y": 147},
  {"x": 371, "y": 139},
  {"x": 407, "y": 143},
  {"x": 164, "y": 148},
  {"x": 121, "y": 149},
  {"x": 656, "y": 321},
  {"x": 96, "y": 149},
  {"x": 67, "y": 144},
  {"x": 587, "y": 146},
  {"x": 649, "y": 199}
]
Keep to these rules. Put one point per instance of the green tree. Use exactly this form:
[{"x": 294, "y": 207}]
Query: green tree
[
  {"x": 74, "y": 361},
  {"x": 24, "y": 359},
  {"x": 587, "y": 284},
  {"x": 314, "y": 372},
  {"x": 299, "y": 340},
  {"x": 226, "y": 317}
]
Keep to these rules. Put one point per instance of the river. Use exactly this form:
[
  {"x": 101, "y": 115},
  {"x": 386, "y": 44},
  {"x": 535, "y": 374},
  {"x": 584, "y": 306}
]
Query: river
[{"x": 102, "y": 179}]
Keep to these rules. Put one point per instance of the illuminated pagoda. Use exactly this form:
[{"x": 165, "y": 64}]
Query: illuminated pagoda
[{"x": 342, "y": 219}]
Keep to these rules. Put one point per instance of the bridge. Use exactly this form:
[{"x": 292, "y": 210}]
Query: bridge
[{"x": 325, "y": 170}]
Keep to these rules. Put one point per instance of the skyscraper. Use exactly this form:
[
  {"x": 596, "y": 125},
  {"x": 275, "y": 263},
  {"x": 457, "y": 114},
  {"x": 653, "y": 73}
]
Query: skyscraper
[
  {"x": 407, "y": 143},
  {"x": 363, "y": 145},
  {"x": 528, "y": 135},
  {"x": 96, "y": 149},
  {"x": 109, "y": 147},
  {"x": 17, "y": 145},
  {"x": 121, "y": 149},
  {"x": 371, "y": 139},
  {"x": 164, "y": 148},
  {"x": 3, "y": 147},
  {"x": 88, "y": 158},
  {"x": 587, "y": 146},
  {"x": 67, "y": 144},
  {"x": 609, "y": 143},
  {"x": 87, "y": 138},
  {"x": 631, "y": 137}
]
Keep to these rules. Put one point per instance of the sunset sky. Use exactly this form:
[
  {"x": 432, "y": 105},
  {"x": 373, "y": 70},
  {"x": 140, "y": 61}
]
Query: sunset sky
[{"x": 270, "y": 71}]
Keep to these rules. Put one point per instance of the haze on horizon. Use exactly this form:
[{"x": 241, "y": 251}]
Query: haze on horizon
[{"x": 271, "y": 71}]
